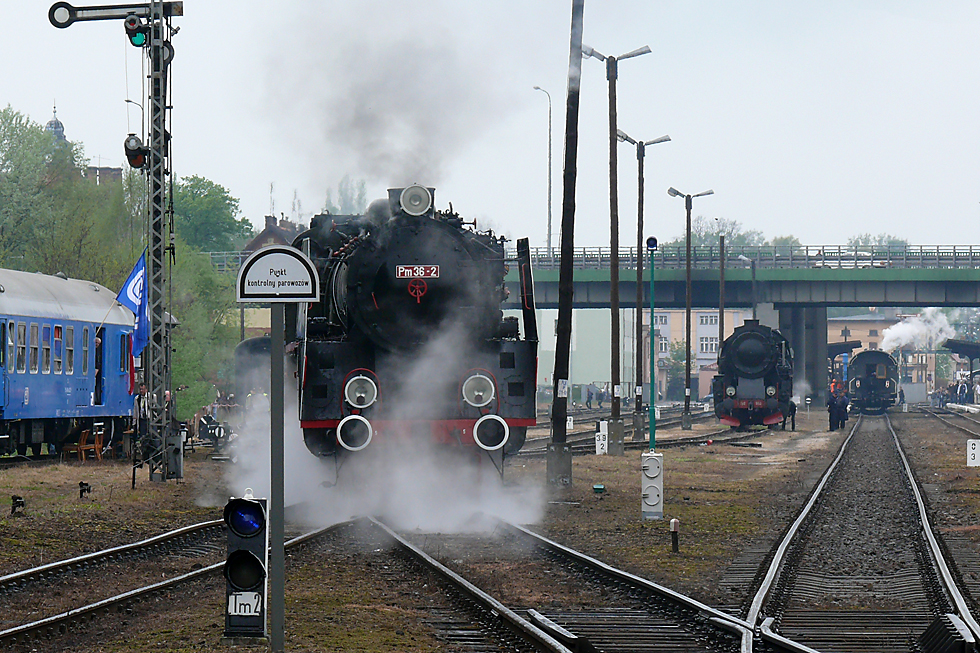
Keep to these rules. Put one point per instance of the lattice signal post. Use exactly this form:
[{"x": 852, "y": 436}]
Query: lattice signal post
[{"x": 147, "y": 26}]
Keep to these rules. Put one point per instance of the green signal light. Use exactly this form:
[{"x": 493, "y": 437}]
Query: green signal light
[{"x": 138, "y": 39}]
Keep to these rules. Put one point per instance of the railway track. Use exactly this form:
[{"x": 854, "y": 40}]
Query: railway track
[
  {"x": 862, "y": 568},
  {"x": 72, "y": 584}
]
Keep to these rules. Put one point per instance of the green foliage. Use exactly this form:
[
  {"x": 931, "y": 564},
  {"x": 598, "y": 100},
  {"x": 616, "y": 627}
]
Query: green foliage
[
  {"x": 865, "y": 240},
  {"x": 204, "y": 343},
  {"x": 705, "y": 232},
  {"x": 351, "y": 198},
  {"x": 676, "y": 366},
  {"x": 205, "y": 215}
]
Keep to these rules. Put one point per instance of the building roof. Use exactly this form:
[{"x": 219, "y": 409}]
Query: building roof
[{"x": 55, "y": 126}]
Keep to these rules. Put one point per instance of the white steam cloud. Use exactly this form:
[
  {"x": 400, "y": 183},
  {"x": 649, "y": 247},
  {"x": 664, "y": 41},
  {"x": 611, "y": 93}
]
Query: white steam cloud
[
  {"x": 927, "y": 330},
  {"x": 410, "y": 486}
]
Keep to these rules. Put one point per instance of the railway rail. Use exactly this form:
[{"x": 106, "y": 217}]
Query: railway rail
[
  {"x": 183, "y": 541},
  {"x": 862, "y": 568}
]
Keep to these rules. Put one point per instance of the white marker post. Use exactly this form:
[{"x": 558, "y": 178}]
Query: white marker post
[
  {"x": 278, "y": 275},
  {"x": 973, "y": 453}
]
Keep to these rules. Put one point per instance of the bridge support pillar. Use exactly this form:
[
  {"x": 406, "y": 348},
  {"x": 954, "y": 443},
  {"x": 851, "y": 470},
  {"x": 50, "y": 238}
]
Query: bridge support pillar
[
  {"x": 792, "y": 324},
  {"x": 816, "y": 352}
]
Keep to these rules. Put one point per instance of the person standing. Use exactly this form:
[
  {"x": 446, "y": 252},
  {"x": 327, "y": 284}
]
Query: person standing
[
  {"x": 141, "y": 420},
  {"x": 832, "y": 410}
]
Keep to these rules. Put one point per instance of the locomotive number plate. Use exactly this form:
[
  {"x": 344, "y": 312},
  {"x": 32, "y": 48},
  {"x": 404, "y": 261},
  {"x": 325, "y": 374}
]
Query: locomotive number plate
[{"x": 417, "y": 271}]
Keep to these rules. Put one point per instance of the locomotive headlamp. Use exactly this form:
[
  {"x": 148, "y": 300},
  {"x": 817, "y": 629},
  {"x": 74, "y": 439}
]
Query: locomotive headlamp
[
  {"x": 730, "y": 391},
  {"x": 354, "y": 433},
  {"x": 361, "y": 392},
  {"x": 415, "y": 200},
  {"x": 478, "y": 390},
  {"x": 491, "y": 432},
  {"x": 771, "y": 391}
]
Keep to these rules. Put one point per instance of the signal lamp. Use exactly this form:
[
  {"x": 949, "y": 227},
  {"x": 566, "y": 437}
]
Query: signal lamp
[
  {"x": 246, "y": 566},
  {"x": 136, "y": 30},
  {"x": 136, "y": 154}
]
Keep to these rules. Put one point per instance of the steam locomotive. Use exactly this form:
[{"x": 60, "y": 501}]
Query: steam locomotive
[
  {"x": 754, "y": 384},
  {"x": 408, "y": 342},
  {"x": 872, "y": 383}
]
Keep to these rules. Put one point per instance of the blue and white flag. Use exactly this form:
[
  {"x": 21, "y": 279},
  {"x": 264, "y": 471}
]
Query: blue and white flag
[{"x": 133, "y": 297}]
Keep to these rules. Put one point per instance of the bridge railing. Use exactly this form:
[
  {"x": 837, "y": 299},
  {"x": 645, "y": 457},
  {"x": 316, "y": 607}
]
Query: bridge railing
[
  {"x": 777, "y": 256},
  {"x": 709, "y": 257}
]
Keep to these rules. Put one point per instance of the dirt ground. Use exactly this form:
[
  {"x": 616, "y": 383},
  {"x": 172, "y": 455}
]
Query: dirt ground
[{"x": 726, "y": 498}]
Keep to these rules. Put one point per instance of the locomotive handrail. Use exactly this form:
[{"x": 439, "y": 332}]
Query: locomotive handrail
[{"x": 708, "y": 257}]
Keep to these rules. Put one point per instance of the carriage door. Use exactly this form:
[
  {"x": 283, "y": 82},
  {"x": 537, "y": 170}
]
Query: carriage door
[
  {"x": 99, "y": 366},
  {"x": 6, "y": 348}
]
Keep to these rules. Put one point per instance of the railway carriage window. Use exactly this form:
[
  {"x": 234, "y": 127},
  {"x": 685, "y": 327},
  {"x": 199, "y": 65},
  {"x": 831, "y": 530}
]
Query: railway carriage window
[
  {"x": 21, "y": 346},
  {"x": 124, "y": 352},
  {"x": 57, "y": 348},
  {"x": 69, "y": 350},
  {"x": 46, "y": 349},
  {"x": 11, "y": 344},
  {"x": 3, "y": 350},
  {"x": 33, "y": 344},
  {"x": 85, "y": 351}
]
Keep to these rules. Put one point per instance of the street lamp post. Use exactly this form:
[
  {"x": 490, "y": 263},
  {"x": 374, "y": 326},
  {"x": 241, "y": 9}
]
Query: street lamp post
[
  {"x": 640, "y": 155},
  {"x": 686, "y": 416},
  {"x": 538, "y": 88},
  {"x": 755, "y": 297},
  {"x": 652, "y": 246},
  {"x": 612, "y": 72}
]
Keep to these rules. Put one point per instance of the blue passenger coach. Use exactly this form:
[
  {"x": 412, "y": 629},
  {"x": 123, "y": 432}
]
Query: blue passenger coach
[{"x": 65, "y": 362}]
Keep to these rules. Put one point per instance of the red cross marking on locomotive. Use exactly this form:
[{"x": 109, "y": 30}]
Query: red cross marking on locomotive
[{"x": 417, "y": 288}]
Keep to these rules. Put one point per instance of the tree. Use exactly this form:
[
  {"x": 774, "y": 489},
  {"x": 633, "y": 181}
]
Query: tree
[
  {"x": 351, "y": 198},
  {"x": 676, "y": 366},
  {"x": 705, "y": 233},
  {"x": 204, "y": 342},
  {"x": 883, "y": 239},
  {"x": 206, "y": 216}
]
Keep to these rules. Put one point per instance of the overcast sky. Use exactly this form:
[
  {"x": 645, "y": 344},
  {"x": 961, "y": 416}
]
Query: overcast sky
[{"x": 820, "y": 120}]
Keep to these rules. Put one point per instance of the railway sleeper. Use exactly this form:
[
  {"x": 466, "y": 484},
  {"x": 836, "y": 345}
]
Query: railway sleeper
[{"x": 947, "y": 634}]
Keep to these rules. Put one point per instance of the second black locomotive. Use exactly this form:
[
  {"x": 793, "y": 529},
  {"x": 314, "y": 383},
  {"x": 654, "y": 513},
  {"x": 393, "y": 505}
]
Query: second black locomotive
[
  {"x": 872, "y": 381},
  {"x": 754, "y": 384}
]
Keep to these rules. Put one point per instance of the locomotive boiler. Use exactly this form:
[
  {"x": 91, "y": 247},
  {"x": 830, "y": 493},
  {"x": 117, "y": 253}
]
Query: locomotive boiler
[
  {"x": 754, "y": 384},
  {"x": 408, "y": 342},
  {"x": 872, "y": 381}
]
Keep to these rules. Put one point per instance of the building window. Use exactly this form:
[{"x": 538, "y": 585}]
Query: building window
[
  {"x": 872, "y": 345},
  {"x": 708, "y": 345},
  {"x": 708, "y": 319},
  {"x": 664, "y": 346},
  {"x": 660, "y": 319},
  {"x": 872, "y": 332}
]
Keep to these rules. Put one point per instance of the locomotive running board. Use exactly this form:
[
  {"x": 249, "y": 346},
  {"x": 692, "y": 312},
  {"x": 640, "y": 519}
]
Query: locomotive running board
[{"x": 527, "y": 289}]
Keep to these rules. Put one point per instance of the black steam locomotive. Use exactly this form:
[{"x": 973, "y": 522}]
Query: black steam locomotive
[
  {"x": 408, "y": 342},
  {"x": 754, "y": 384},
  {"x": 872, "y": 381}
]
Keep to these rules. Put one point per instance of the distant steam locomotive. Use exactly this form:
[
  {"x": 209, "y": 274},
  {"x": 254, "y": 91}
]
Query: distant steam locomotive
[
  {"x": 408, "y": 342},
  {"x": 872, "y": 383},
  {"x": 754, "y": 384}
]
